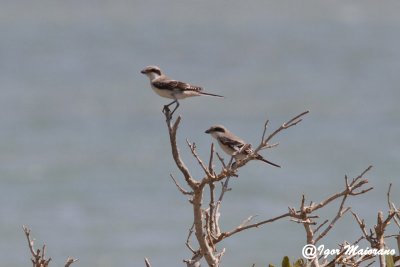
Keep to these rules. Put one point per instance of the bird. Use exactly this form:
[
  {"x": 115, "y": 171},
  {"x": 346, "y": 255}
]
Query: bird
[
  {"x": 173, "y": 89},
  {"x": 233, "y": 145}
]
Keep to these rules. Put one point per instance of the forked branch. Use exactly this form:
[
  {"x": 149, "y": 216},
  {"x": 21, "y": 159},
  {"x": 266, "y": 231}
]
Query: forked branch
[{"x": 39, "y": 255}]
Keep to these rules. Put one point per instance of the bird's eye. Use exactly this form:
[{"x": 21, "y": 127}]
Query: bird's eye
[{"x": 219, "y": 129}]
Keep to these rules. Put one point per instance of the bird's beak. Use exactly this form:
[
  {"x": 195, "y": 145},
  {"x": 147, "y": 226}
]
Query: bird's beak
[
  {"x": 208, "y": 131},
  {"x": 143, "y": 71}
]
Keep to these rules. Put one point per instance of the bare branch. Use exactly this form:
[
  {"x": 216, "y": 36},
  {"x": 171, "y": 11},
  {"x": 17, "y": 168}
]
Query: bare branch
[
  {"x": 39, "y": 256},
  {"x": 308, "y": 222},
  {"x": 254, "y": 225},
  {"x": 183, "y": 191},
  {"x": 192, "y": 147},
  {"x": 340, "y": 213},
  {"x": 292, "y": 122},
  {"x": 215, "y": 213},
  {"x": 247, "y": 220},
  {"x": 363, "y": 173},
  {"x": 70, "y": 261},
  {"x": 212, "y": 223},
  {"x": 188, "y": 240},
  {"x": 271, "y": 146},
  {"x": 376, "y": 238},
  {"x": 172, "y": 130},
  {"x": 321, "y": 225},
  {"x": 219, "y": 255},
  {"x": 210, "y": 163},
  {"x": 27, "y": 232},
  {"x": 338, "y": 258},
  {"x": 147, "y": 262},
  {"x": 224, "y": 189},
  {"x": 199, "y": 228},
  {"x": 221, "y": 159},
  {"x": 361, "y": 223},
  {"x": 391, "y": 205},
  {"x": 303, "y": 200},
  {"x": 264, "y": 131},
  {"x": 349, "y": 190}
]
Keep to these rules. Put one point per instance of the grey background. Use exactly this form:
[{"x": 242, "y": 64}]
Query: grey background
[{"x": 84, "y": 154}]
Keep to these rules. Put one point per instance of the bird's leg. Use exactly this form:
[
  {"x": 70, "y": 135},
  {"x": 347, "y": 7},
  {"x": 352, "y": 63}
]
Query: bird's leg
[
  {"x": 176, "y": 107},
  {"x": 166, "y": 109},
  {"x": 166, "y": 112},
  {"x": 232, "y": 164}
]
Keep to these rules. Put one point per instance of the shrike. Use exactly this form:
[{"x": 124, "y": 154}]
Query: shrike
[
  {"x": 233, "y": 145},
  {"x": 172, "y": 89}
]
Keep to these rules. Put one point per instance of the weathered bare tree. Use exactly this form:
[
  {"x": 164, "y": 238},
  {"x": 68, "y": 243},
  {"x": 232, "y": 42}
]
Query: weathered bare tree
[
  {"x": 206, "y": 225},
  {"x": 206, "y": 210}
]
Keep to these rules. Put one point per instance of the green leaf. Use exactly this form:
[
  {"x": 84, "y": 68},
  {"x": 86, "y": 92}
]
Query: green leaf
[
  {"x": 286, "y": 262},
  {"x": 389, "y": 261}
]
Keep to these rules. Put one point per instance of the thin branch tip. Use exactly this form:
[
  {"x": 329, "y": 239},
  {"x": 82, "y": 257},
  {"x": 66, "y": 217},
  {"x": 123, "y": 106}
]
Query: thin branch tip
[{"x": 147, "y": 262}]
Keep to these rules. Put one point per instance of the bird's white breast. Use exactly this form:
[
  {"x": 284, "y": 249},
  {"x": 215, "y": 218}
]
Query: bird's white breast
[{"x": 163, "y": 93}]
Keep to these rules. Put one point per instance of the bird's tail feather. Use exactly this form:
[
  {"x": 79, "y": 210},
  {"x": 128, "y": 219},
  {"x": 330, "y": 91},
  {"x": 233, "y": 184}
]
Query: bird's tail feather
[
  {"x": 259, "y": 157},
  {"x": 208, "y": 94}
]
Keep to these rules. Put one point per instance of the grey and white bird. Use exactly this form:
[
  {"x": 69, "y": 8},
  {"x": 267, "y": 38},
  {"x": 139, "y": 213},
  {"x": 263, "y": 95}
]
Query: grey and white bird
[
  {"x": 233, "y": 145},
  {"x": 173, "y": 89}
]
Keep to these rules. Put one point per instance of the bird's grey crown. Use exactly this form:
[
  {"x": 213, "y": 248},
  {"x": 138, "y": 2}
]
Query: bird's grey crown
[
  {"x": 150, "y": 69},
  {"x": 217, "y": 128}
]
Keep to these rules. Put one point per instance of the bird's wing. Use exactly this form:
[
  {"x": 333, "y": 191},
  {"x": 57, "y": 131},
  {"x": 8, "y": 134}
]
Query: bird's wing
[
  {"x": 231, "y": 143},
  {"x": 176, "y": 85}
]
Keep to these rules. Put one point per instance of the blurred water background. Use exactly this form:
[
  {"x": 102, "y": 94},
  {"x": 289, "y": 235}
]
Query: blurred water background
[{"x": 84, "y": 153}]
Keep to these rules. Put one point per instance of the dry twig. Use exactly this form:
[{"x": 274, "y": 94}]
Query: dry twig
[
  {"x": 305, "y": 215},
  {"x": 39, "y": 256},
  {"x": 147, "y": 262}
]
